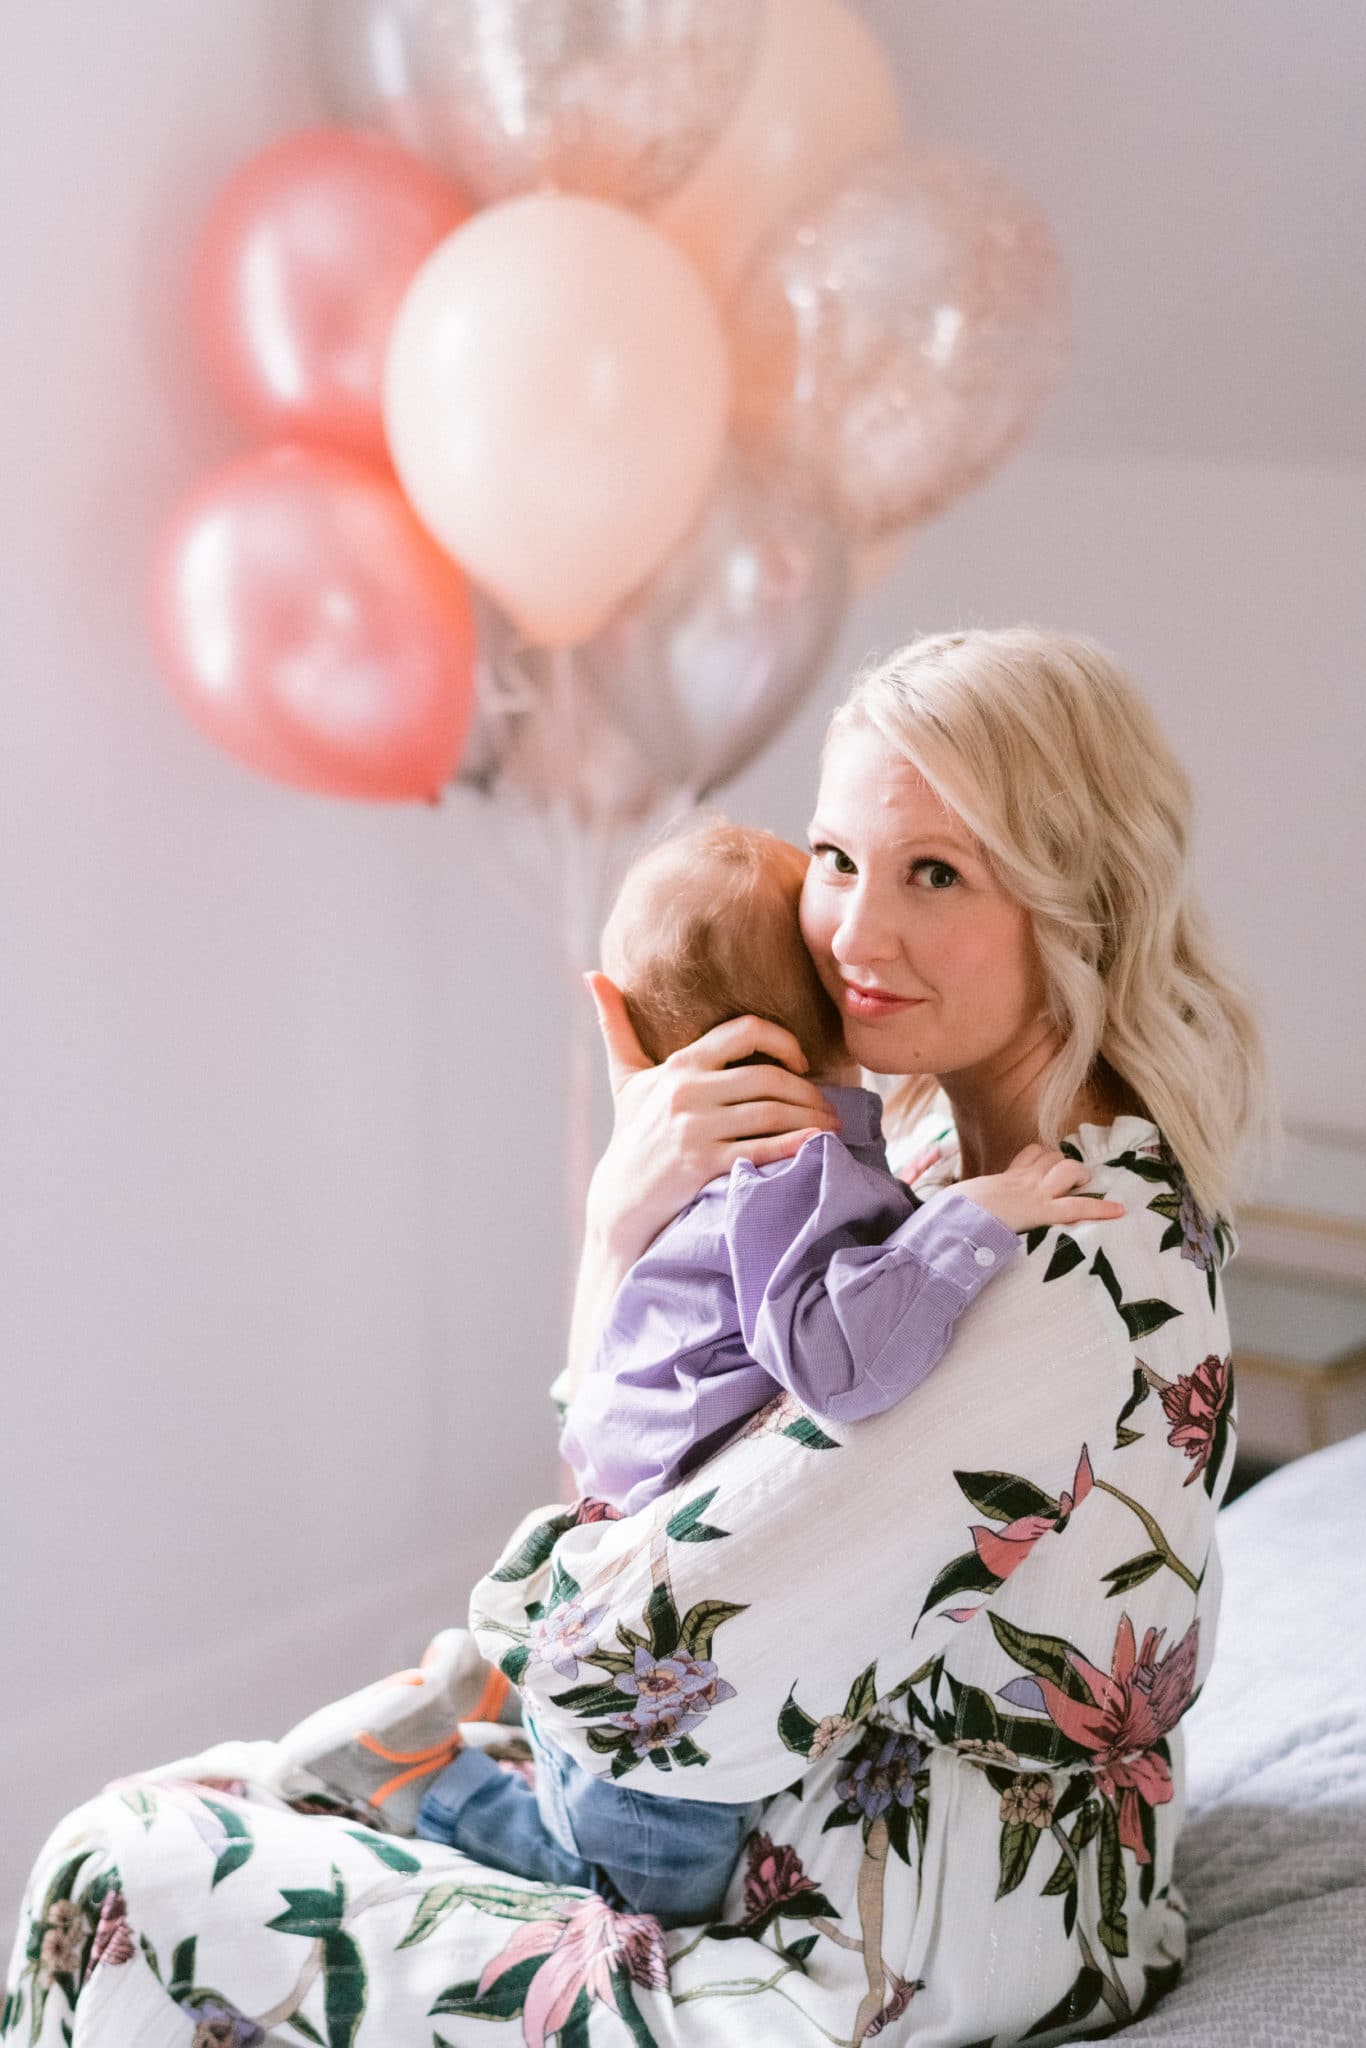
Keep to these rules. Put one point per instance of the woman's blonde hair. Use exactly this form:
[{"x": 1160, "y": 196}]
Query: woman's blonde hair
[{"x": 1054, "y": 761}]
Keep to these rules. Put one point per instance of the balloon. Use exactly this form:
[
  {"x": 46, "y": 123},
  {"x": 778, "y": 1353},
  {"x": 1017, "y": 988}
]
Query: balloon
[
  {"x": 900, "y": 337},
  {"x": 706, "y": 662},
  {"x": 874, "y": 562},
  {"x": 299, "y": 271},
  {"x": 821, "y": 92},
  {"x": 367, "y": 63},
  {"x": 312, "y": 630},
  {"x": 612, "y": 98},
  {"x": 556, "y": 396},
  {"x": 559, "y": 744}
]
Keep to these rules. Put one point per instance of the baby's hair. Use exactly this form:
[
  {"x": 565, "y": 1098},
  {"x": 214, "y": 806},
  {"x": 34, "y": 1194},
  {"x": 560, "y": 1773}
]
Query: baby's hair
[{"x": 704, "y": 928}]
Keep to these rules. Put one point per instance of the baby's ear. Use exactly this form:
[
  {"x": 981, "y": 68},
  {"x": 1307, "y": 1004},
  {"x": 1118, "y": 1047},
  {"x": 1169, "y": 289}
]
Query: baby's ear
[{"x": 625, "y": 1054}]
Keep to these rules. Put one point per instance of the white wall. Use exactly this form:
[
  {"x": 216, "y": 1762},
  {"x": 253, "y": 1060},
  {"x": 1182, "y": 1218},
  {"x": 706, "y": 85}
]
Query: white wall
[
  {"x": 281, "y": 1261},
  {"x": 282, "y": 1254}
]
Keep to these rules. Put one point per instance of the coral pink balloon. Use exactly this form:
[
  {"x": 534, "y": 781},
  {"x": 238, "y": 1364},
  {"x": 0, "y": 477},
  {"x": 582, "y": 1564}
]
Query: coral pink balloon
[
  {"x": 556, "y": 398},
  {"x": 821, "y": 93},
  {"x": 300, "y": 267},
  {"x": 311, "y": 628}
]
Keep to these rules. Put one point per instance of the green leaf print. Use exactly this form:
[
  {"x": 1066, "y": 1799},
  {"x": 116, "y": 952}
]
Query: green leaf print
[
  {"x": 310, "y": 1911},
  {"x": 140, "y": 1801},
  {"x": 630, "y": 2012},
  {"x": 1018, "y": 1841},
  {"x": 809, "y": 1434},
  {"x": 1005, "y": 1497},
  {"x": 182, "y": 1967},
  {"x": 503, "y": 2000},
  {"x": 432, "y": 1908},
  {"x": 344, "y": 1989},
  {"x": 1074, "y": 2006},
  {"x": 700, "y": 1624},
  {"x": 306, "y": 2028},
  {"x": 862, "y": 1694},
  {"x": 965, "y": 1574},
  {"x": 1140, "y": 1318},
  {"x": 1045, "y": 1656},
  {"x": 1123, "y": 1434},
  {"x": 1067, "y": 1254},
  {"x": 513, "y": 1662},
  {"x": 533, "y": 1552},
  {"x": 387, "y": 1850},
  {"x": 574, "y": 2033},
  {"x": 661, "y": 1619},
  {"x": 240, "y": 1846},
  {"x": 796, "y": 1728},
  {"x": 1126, "y": 1576},
  {"x": 1114, "y": 1927},
  {"x": 687, "y": 1525}
]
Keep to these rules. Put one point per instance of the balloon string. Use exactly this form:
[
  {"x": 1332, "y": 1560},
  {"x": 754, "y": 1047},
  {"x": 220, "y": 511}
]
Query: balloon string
[{"x": 580, "y": 869}]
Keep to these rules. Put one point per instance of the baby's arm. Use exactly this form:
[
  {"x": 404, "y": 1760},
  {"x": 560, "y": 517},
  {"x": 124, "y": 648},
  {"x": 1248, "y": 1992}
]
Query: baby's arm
[{"x": 848, "y": 1292}]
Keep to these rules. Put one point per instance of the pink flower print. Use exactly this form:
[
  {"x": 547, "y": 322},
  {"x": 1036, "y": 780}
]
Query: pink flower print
[
  {"x": 590, "y": 1510},
  {"x": 673, "y": 1696},
  {"x": 902, "y": 1994},
  {"x": 1193, "y": 1405},
  {"x": 1134, "y": 1705},
  {"x": 583, "y": 1953},
  {"x": 565, "y": 1636},
  {"x": 1003, "y": 1551},
  {"x": 113, "y": 1943},
  {"x": 63, "y": 1942},
  {"x": 773, "y": 1877}
]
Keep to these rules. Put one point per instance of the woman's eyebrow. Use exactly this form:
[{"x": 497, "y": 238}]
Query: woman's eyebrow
[{"x": 817, "y": 832}]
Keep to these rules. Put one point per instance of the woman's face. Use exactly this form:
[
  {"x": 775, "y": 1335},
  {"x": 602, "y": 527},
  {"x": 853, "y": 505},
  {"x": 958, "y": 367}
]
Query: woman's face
[{"x": 934, "y": 969}]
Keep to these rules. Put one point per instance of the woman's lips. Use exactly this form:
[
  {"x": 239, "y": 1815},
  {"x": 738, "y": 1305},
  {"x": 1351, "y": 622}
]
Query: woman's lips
[{"x": 870, "y": 1003}]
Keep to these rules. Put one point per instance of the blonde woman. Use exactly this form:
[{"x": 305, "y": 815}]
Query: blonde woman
[
  {"x": 949, "y": 1647},
  {"x": 968, "y": 1629}
]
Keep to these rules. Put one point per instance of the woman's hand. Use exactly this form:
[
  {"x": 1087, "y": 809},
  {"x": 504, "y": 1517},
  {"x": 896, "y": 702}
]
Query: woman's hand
[{"x": 682, "y": 1124}]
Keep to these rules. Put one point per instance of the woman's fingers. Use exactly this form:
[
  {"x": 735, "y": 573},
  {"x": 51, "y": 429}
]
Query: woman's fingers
[
  {"x": 625, "y": 1055},
  {"x": 737, "y": 1039},
  {"x": 742, "y": 1120},
  {"x": 1066, "y": 1173},
  {"x": 764, "y": 1151}
]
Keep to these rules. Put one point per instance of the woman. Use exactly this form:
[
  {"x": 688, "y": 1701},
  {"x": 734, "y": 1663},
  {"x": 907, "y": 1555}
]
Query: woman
[{"x": 951, "y": 1646}]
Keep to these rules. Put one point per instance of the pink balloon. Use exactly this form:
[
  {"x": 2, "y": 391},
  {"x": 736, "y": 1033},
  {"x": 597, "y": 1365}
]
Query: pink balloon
[
  {"x": 556, "y": 397},
  {"x": 821, "y": 92},
  {"x": 300, "y": 267},
  {"x": 309, "y": 626}
]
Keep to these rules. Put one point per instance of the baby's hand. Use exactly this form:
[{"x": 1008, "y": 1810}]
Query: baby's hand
[{"x": 1039, "y": 1188}]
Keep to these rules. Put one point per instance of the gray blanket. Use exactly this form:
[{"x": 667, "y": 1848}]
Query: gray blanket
[{"x": 1273, "y": 1859}]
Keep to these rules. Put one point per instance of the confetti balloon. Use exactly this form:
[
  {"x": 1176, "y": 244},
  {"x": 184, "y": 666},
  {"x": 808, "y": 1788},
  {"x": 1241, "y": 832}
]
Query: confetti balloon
[{"x": 899, "y": 337}]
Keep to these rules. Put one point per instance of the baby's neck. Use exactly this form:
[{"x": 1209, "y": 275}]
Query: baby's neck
[{"x": 849, "y": 1075}]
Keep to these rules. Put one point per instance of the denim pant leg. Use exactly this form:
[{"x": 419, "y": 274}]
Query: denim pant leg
[
  {"x": 669, "y": 1857},
  {"x": 492, "y": 1815}
]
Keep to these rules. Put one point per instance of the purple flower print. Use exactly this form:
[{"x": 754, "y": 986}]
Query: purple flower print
[
  {"x": 673, "y": 1696},
  {"x": 1199, "y": 1244},
  {"x": 881, "y": 1770},
  {"x": 565, "y": 1636}
]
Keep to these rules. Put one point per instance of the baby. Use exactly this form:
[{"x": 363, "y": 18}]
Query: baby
[{"x": 762, "y": 1283}]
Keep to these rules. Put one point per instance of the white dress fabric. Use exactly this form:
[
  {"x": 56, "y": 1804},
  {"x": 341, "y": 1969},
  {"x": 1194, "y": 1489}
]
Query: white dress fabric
[{"x": 949, "y": 1646}]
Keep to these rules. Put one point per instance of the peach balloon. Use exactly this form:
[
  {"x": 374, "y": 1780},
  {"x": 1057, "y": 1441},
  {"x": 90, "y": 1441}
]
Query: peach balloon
[
  {"x": 556, "y": 397},
  {"x": 875, "y": 561},
  {"x": 821, "y": 93},
  {"x": 299, "y": 270},
  {"x": 311, "y": 628}
]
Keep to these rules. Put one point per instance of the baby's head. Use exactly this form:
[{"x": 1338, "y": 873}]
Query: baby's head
[{"x": 705, "y": 928}]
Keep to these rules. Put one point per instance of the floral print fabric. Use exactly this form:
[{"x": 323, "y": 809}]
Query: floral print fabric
[{"x": 950, "y": 1647}]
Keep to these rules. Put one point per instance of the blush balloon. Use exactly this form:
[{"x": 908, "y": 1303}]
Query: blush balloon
[
  {"x": 313, "y": 631},
  {"x": 300, "y": 267}
]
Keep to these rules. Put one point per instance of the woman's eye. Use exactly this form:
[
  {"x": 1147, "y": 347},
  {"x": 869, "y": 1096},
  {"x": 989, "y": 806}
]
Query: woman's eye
[
  {"x": 942, "y": 874},
  {"x": 833, "y": 860}
]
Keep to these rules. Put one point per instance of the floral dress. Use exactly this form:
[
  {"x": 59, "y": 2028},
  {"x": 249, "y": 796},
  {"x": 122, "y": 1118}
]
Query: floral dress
[{"x": 950, "y": 1647}]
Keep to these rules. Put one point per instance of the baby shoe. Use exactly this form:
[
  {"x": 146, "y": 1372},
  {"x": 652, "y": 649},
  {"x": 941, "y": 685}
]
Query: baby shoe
[{"x": 379, "y": 1748}]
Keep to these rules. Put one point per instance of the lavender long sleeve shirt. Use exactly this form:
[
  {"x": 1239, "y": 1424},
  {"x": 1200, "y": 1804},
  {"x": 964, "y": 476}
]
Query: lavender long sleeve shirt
[{"x": 820, "y": 1273}]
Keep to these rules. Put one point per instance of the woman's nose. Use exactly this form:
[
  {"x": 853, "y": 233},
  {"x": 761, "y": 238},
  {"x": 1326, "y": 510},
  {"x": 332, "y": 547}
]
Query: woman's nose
[{"x": 863, "y": 935}]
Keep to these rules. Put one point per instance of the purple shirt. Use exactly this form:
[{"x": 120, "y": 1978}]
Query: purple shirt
[{"x": 821, "y": 1273}]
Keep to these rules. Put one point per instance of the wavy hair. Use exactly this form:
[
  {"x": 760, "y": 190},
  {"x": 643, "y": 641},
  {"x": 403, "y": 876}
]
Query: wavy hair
[{"x": 1054, "y": 761}]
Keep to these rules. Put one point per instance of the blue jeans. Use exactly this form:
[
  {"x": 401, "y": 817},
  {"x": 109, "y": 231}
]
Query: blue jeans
[{"x": 669, "y": 1857}]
